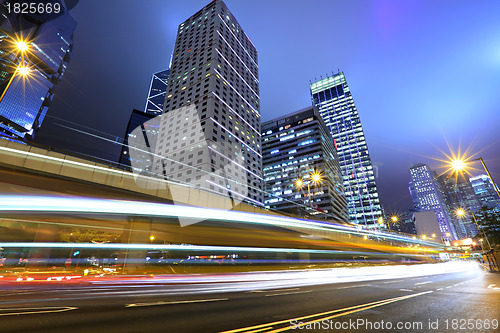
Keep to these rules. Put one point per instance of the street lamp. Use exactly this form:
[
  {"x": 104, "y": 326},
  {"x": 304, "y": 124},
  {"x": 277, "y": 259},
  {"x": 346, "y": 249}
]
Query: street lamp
[
  {"x": 460, "y": 212},
  {"x": 394, "y": 220},
  {"x": 21, "y": 45},
  {"x": 23, "y": 70},
  {"x": 315, "y": 178},
  {"x": 460, "y": 165}
]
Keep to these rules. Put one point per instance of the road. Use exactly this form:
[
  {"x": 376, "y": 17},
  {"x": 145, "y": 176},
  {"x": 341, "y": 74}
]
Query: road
[{"x": 338, "y": 299}]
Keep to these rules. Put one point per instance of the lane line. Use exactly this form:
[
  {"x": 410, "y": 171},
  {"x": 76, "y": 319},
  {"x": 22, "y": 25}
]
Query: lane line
[
  {"x": 175, "y": 302},
  {"x": 291, "y": 293},
  {"x": 47, "y": 309},
  {"x": 423, "y": 282},
  {"x": 266, "y": 291},
  {"x": 261, "y": 330},
  {"x": 361, "y": 285},
  {"x": 339, "y": 312},
  {"x": 394, "y": 281}
]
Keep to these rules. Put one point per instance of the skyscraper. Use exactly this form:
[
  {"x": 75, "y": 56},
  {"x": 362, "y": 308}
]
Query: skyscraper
[
  {"x": 428, "y": 195},
  {"x": 34, "y": 53},
  {"x": 335, "y": 103},
  {"x": 137, "y": 152},
  {"x": 460, "y": 195},
  {"x": 210, "y": 132},
  {"x": 485, "y": 191},
  {"x": 294, "y": 147},
  {"x": 143, "y": 148},
  {"x": 157, "y": 90}
]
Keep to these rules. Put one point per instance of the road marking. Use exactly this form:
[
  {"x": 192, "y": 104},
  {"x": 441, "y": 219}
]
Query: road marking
[
  {"x": 439, "y": 289},
  {"x": 175, "y": 302},
  {"x": 423, "y": 282},
  {"x": 329, "y": 315},
  {"x": 266, "y": 291},
  {"x": 261, "y": 330},
  {"x": 47, "y": 309},
  {"x": 394, "y": 281},
  {"x": 405, "y": 289},
  {"x": 291, "y": 293},
  {"x": 361, "y": 285}
]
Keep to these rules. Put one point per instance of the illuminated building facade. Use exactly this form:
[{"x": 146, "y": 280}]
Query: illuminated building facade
[
  {"x": 141, "y": 159},
  {"x": 335, "y": 103},
  {"x": 428, "y": 195},
  {"x": 143, "y": 150},
  {"x": 157, "y": 90},
  {"x": 34, "y": 53},
  {"x": 460, "y": 195},
  {"x": 210, "y": 133},
  {"x": 294, "y": 147},
  {"x": 485, "y": 191}
]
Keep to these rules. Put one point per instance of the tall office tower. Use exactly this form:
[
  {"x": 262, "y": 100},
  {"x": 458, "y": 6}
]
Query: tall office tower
[
  {"x": 405, "y": 222},
  {"x": 334, "y": 101},
  {"x": 294, "y": 147},
  {"x": 460, "y": 195},
  {"x": 34, "y": 53},
  {"x": 142, "y": 123},
  {"x": 157, "y": 90},
  {"x": 428, "y": 195},
  {"x": 210, "y": 132},
  {"x": 485, "y": 191},
  {"x": 139, "y": 142}
]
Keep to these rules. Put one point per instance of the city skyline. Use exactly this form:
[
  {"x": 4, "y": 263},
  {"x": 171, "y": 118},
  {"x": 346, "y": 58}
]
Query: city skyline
[
  {"x": 395, "y": 44},
  {"x": 183, "y": 182}
]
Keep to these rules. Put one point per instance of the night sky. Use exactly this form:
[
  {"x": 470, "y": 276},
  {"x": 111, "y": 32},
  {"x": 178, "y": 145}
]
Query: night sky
[{"x": 423, "y": 74}]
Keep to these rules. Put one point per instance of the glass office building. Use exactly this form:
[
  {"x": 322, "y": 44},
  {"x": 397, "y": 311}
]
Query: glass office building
[
  {"x": 34, "y": 53},
  {"x": 485, "y": 191},
  {"x": 210, "y": 134},
  {"x": 460, "y": 195},
  {"x": 295, "y": 147},
  {"x": 157, "y": 90},
  {"x": 428, "y": 194},
  {"x": 335, "y": 103},
  {"x": 142, "y": 123},
  {"x": 139, "y": 142}
]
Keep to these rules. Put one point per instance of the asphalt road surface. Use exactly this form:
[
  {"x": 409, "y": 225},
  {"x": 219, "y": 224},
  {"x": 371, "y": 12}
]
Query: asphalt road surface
[{"x": 460, "y": 298}]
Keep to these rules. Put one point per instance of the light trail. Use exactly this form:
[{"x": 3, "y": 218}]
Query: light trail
[{"x": 25, "y": 203}]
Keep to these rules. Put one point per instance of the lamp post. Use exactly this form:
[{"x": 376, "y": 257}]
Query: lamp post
[
  {"x": 20, "y": 46},
  {"x": 460, "y": 165},
  {"x": 315, "y": 177},
  {"x": 461, "y": 212},
  {"x": 394, "y": 220}
]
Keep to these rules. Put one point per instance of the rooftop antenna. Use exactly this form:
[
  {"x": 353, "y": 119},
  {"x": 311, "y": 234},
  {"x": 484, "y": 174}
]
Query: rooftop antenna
[{"x": 170, "y": 62}]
